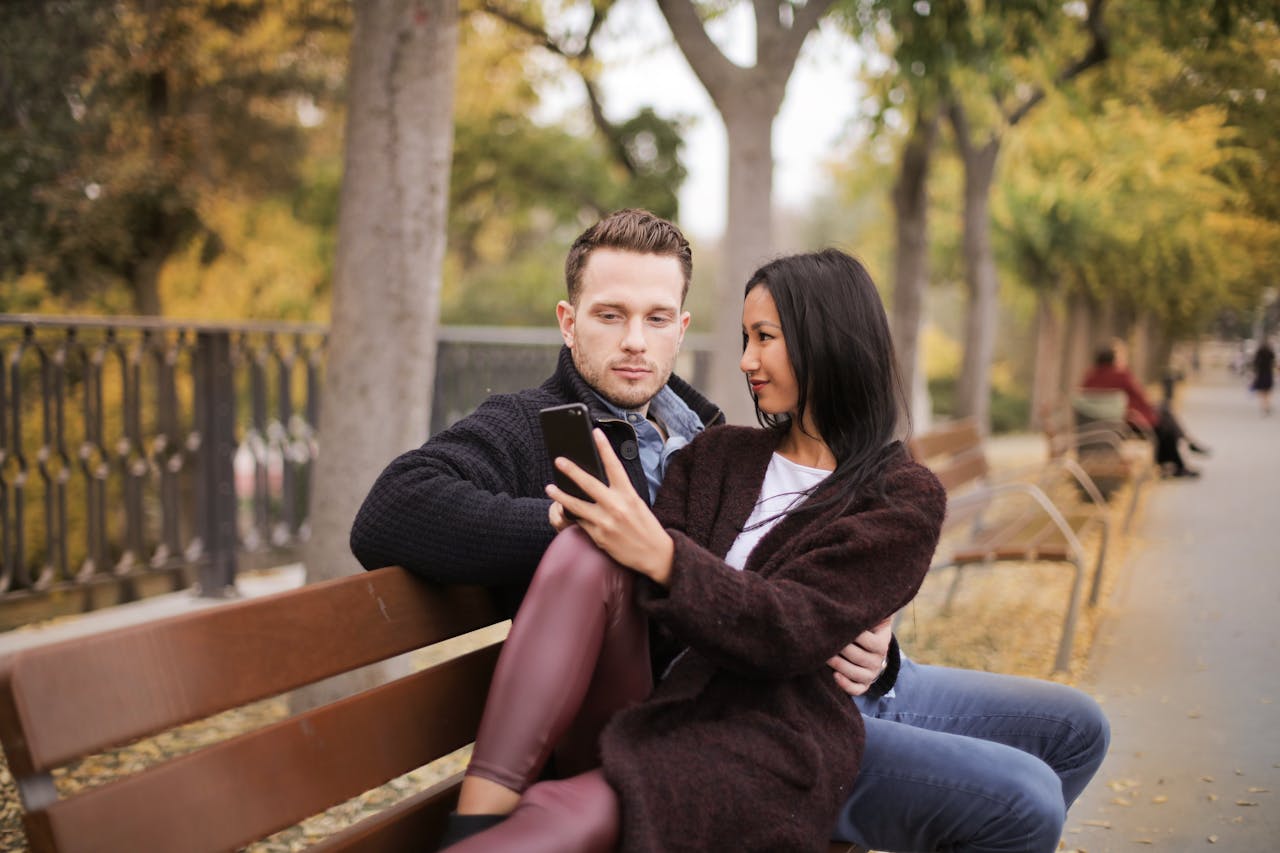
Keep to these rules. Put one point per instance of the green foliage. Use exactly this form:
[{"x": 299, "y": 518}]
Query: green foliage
[
  {"x": 150, "y": 106},
  {"x": 1010, "y": 410}
]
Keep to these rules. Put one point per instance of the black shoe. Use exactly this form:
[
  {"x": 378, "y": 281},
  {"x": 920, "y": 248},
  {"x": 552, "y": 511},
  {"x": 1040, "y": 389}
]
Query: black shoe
[
  {"x": 1197, "y": 448},
  {"x": 1186, "y": 472},
  {"x": 462, "y": 826}
]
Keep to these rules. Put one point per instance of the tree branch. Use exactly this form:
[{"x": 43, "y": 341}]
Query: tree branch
[
  {"x": 711, "y": 66},
  {"x": 782, "y": 45},
  {"x": 1098, "y": 52}
]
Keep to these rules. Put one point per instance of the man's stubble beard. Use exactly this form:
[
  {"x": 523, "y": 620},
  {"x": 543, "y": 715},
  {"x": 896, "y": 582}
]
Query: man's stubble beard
[{"x": 599, "y": 378}]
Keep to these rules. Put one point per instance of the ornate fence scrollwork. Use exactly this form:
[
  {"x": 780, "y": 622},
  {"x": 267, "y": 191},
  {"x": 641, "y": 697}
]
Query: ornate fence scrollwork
[{"x": 136, "y": 449}]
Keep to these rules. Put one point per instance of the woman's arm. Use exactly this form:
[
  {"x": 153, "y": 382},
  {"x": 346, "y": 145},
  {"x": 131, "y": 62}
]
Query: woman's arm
[{"x": 837, "y": 578}]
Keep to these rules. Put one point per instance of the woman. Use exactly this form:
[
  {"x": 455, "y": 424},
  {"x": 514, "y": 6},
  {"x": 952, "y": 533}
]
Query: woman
[{"x": 766, "y": 548}]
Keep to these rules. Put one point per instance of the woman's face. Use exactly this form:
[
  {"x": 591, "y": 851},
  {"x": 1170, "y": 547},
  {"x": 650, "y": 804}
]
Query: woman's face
[{"x": 765, "y": 360}]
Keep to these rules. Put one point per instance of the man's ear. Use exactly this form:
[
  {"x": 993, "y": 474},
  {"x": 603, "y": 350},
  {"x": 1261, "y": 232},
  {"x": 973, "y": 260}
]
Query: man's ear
[
  {"x": 565, "y": 317},
  {"x": 684, "y": 327}
]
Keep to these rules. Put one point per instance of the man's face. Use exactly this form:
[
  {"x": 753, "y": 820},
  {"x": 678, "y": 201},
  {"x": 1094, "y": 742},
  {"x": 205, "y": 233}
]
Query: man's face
[{"x": 627, "y": 327}]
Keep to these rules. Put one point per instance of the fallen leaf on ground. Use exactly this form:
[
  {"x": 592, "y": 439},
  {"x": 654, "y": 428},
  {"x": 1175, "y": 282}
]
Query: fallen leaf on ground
[
  {"x": 1213, "y": 798},
  {"x": 1212, "y": 839},
  {"x": 1159, "y": 799},
  {"x": 1259, "y": 790},
  {"x": 1246, "y": 802},
  {"x": 1121, "y": 801},
  {"x": 1206, "y": 778},
  {"x": 1105, "y": 824}
]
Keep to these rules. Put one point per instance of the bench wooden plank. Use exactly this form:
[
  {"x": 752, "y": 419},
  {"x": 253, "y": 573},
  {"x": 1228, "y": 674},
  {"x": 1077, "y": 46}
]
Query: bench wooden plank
[
  {"x": 235, "y": 792},
  {"x": 198, "y": 661},
  {"x": 414, "y": 823}
]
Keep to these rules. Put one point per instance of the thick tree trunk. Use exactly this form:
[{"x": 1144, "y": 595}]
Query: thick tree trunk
[
  {"x": 391, "y": 238},
  {"x": 1047, "y": 388},
  {"x": 911, "y": 262},
  {"x": 748, "y": 242},
  {"x": 973, "y": 395}
]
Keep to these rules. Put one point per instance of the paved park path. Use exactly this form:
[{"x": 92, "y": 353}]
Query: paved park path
[{"x": 1187, "y": 662}]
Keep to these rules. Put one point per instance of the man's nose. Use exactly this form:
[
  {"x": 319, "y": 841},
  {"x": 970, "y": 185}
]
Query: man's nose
[{"x": 635, "y": 340}]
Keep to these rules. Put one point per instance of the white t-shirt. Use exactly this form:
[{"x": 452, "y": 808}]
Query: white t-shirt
[{"x": 785, "y": 485}]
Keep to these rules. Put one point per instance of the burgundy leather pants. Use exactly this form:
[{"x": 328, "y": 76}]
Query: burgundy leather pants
[{"x": 578, "y": 652}]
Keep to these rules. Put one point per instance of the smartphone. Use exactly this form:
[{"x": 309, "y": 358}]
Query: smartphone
[{"x": 566, "y": 431}]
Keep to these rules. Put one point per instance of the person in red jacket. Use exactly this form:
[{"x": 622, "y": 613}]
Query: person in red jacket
[{"x": 1110, "y": 372}]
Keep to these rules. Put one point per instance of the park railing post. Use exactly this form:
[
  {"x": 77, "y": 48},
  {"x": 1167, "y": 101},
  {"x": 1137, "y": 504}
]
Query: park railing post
[{"x": 215, "y": 387}]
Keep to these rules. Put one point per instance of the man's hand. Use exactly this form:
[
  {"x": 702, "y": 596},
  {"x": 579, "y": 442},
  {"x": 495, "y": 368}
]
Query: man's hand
[
  {"x": 860, "y": 663},
  {"x": 619, "y": 521}
]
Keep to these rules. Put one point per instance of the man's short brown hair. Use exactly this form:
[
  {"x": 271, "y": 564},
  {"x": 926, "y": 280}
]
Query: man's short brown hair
[{"x": 630, "y": 230}]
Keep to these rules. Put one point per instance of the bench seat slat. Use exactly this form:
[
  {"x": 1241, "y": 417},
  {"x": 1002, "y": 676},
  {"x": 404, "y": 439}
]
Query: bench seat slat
[
  {"x": 414, "y": 823},
  {"x": 238, "y": 791},
  {"x": 212, "y": 660}
]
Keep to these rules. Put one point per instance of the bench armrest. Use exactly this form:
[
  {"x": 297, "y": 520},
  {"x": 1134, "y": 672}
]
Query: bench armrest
[{"x": 978, "y": 499}]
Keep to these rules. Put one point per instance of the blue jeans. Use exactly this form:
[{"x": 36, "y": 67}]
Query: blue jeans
[{"x": 960, "y": 760}]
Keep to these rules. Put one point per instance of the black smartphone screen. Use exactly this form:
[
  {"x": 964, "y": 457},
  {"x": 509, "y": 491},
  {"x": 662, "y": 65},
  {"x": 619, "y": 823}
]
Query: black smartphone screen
[{"x": 566, "y": 431}]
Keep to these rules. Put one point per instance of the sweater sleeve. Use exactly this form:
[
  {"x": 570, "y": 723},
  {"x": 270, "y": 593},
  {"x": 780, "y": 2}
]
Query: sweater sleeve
[
  {"x": 466, "y": 507},
  {"x": 836, "y": 578}
]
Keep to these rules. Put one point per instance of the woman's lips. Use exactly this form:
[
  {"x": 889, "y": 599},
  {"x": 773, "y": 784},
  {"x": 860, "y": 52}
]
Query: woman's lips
[{"x": 757, "y": 384}]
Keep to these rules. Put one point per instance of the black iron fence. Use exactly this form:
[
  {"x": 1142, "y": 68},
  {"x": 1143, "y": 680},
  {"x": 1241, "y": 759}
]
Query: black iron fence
[{"x": 139, "y": 456}]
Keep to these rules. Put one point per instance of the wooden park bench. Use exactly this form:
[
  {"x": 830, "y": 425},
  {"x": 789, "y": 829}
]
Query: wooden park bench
[
  {"x": 1012, "y": 520},
  {"x": 1112, "y": 452},
  {"x": 65, "y": 701}
]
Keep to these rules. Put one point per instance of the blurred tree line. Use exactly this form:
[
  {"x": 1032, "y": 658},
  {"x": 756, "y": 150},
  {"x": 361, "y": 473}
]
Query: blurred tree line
[
  {"x": 1061, "y": 171},
  {"x": 185, "y": 158}
]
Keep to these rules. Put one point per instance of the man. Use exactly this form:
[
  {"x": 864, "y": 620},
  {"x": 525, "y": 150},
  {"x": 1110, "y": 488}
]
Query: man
[{"x": 954, "y": 760}]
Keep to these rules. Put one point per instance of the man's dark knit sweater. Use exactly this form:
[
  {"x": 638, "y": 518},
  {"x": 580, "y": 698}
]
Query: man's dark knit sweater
[{"x": 469, "y": 507}]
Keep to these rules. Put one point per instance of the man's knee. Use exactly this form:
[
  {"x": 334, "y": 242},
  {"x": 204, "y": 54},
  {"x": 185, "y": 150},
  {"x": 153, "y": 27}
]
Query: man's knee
[{"x": 1036, "y": 813}]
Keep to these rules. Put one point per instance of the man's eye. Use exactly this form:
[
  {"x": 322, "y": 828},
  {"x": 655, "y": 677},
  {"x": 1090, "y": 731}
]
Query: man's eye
[
  {"x": 660, "y": 320},
  {"x": 609, "y": 316}
]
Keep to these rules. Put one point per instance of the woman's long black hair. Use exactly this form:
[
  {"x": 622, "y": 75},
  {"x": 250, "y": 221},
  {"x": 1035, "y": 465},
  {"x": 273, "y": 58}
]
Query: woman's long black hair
[{"x": 837, "y": 338}]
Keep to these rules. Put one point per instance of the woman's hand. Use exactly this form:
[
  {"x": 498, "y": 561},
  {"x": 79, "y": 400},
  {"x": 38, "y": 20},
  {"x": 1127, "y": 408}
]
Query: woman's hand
[
  {"x": 861, "y": 662},
  {"x": 619, "y": 521}
]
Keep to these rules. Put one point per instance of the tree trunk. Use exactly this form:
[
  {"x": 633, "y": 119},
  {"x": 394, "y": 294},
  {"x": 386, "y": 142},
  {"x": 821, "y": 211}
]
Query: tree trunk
[
  {"x": 747, "y": 99},
  {"x": 146, "y": 284},
  {"x": 973, "y": 395},
  {"x": 381, "y": 357},
  {"x": 911, "y": 262},
  {"x": 748, "y": 242},
  {"x": 1079, "y": 353},
  {"x": 1047, "y": 388}
]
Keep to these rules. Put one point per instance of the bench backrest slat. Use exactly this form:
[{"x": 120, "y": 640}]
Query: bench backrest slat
[
  {"x": 954, "y": 452},
  {"x": 945, "y": 440},
  {"x": 229, "y": 794},
  {"x": 74, "y": 698}
]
